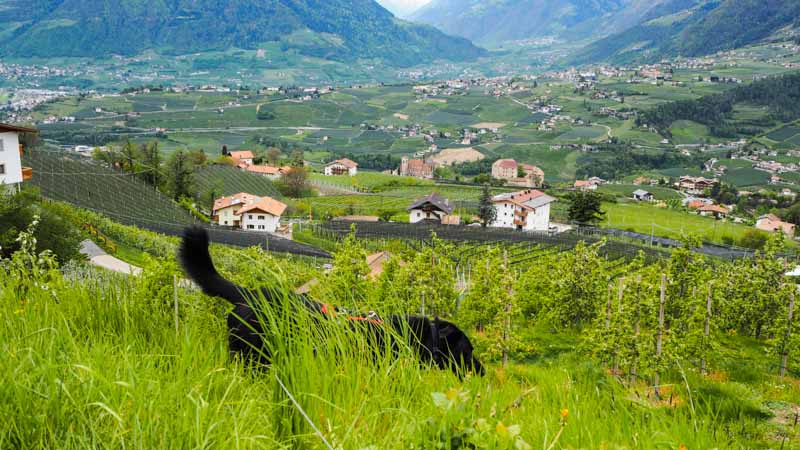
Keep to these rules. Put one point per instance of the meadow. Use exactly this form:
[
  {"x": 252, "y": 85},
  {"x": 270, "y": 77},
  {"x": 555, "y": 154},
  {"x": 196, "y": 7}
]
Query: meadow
[{"x": 93, "y": 359}]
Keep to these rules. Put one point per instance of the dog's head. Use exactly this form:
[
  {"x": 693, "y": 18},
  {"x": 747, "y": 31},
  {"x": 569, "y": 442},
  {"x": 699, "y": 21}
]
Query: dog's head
[{"x": 455, "y": 351}]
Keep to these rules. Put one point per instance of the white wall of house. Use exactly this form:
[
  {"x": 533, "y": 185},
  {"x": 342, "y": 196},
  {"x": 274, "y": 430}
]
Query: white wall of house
[
  {"x": 537, "y": 220},
  {"x": 260, "y": 221},
  {"x": 10, "y": 164},
  {"x": 418, "y": 215},
  {"x": 226, "y": 216}
]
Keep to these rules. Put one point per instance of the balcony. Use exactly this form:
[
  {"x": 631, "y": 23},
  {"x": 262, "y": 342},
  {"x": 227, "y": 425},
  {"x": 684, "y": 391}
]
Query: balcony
[
  {"x": 519, "y": 223},
  {"x": 523, "y": 213},
  {"x": 27, "y": 174}
]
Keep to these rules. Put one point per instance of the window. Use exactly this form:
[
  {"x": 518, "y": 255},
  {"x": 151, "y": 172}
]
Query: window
[
  {"x": 2, "y": 169},
  {"x": 262, "y": 227},
  {"x": 250, "y": 216},
  {"x": 251, "y": 227},
  {"x": 2, "y": 145},
  {"x": 260, "y": 217}
]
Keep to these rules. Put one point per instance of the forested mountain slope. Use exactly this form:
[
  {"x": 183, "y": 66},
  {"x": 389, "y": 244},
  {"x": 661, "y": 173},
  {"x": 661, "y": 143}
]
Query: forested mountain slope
[
  {"x": 342, "y": 30},
  {"x": 694, "y": 28}
]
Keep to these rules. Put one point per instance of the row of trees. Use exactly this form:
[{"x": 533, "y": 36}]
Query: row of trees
[{"x": 640, "y": 320}]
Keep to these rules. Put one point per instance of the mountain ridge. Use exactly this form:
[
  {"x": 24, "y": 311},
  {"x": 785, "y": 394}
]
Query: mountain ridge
[{"x": 341, "y": 30}]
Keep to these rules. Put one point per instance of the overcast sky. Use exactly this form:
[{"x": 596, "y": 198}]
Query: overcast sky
[{"x": 402, "y": 7}]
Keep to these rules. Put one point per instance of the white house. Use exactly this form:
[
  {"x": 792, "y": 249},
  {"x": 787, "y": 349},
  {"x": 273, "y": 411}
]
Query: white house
[
  {"x": 640, "y": 195},
  {"x": 225, "y": 208},
  {"x": 263, "y": 215},
  {"x": 12, "y": 174},
  {"x": 432, "y": 209},
  {"x": 341, "y": 167},
  {"x": 524, "y": 210}
]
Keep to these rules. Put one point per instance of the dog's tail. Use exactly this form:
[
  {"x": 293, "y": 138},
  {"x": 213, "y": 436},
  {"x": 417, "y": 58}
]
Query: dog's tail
[{"x": 197, "y": 264}]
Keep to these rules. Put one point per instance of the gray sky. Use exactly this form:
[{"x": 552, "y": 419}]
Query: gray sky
[{"x": 402, "y": 7}]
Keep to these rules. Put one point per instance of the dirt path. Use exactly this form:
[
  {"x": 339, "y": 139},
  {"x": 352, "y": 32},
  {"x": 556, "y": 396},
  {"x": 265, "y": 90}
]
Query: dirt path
[{"x": 98, "y": 257}]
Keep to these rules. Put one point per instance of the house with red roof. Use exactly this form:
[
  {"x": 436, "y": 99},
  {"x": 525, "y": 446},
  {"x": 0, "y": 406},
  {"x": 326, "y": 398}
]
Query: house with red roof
[
  {"x": 509, "y": 170},
  {"x": 524, "y": 210},
  {"x": 261, "y": 215},
  {"x": 772, "y": 223},
  {"x": 416, "y": 168},
  {"x": 242, "y": 157},
  {"x": 342, "y": 166},
  {"x": 248, "y": 212}
]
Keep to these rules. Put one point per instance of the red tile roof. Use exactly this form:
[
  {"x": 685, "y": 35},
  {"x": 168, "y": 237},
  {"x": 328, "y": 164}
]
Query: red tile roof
[
  {"x": 713, "y": 208},
  {"x": 242, "y": 198},
  {"x": 345, "y": 162},
  {"x": 242, "y": 154},
  {"x": 264, "y": 170},
  {"x": 506, "y": 163},
  {"x": 266, "y": 204}
]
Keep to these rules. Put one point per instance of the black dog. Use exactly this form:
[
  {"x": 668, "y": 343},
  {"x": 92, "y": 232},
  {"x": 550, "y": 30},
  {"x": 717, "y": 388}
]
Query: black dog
[{"x": 435, "y": 341}]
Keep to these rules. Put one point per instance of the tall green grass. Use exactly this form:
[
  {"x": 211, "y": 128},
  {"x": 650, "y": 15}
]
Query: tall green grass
[{"x": 94, "y": 361}]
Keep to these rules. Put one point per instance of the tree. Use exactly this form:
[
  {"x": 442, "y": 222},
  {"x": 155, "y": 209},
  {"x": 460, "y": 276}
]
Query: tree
[
  {"x": 294, "y": 182},
  {"x": 585, "y": 208},
  {"x": 129, "y": 157},
  {"x": 298, "y": 158},
  {"x": 486, "y": 211},
  {"x": 53, "y": 232},
  {"x": 151, "y": 162},
  {"x": 179, "y": 175},
  {"x": 273, "y": 155}
]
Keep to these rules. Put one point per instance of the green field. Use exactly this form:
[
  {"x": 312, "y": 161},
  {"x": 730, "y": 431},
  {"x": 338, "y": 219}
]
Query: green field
[{"x": 646, "y": 219}]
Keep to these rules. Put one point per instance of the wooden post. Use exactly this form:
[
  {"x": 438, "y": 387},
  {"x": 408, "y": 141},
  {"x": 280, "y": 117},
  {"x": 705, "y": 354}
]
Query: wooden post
[
  {"x": 507, "y": 324},
  {"x": 608, "y": 305},
  {"x": 620, "y": 294},
  {"x": 636, "y": 326},
  {"x": 660, "y": 336},
  {"x": 785, "y": 355},
  {"x": 175, "y": 299},
  {"x": 707, "y": 330}
]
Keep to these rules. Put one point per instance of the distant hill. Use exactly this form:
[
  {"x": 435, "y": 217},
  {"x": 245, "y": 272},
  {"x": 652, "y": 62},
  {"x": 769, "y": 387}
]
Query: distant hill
[
  {"x": 341, "y": 30},
  {"x": 694, "y": 28},
  {"x": 492, "y": 22}
]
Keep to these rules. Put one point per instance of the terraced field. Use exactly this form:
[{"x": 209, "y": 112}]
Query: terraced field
[{"x": 226, "y": 180}]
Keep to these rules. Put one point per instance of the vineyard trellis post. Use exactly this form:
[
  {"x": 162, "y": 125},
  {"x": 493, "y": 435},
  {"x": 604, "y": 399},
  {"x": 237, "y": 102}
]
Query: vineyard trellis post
[
  {"x": 636, "y": 331},
  {"x": 660, "y": 336},
  {"x": 788, "y": 335},
  {"x": 175, "y": 300},
  {"x": 620, "y": 295},
  {"x": 707, "y": 329}
]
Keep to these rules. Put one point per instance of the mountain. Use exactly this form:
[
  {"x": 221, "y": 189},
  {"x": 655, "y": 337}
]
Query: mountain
[
  {"x": 341, "y": 30},
  {"x": 694, "y": 28},
  {"x": 493, "y": 22}
]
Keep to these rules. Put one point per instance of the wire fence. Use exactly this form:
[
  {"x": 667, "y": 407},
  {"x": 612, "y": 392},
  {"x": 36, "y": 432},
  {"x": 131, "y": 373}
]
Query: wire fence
[
  {"x": 533, "y": 242},
  {"x": 93, "y": 186}
]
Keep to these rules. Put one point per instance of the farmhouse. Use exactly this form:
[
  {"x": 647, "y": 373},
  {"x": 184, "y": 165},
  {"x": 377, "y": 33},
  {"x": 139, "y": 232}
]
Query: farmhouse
[
  {"x": 225, "y": 208},
  {"x": 271, "y": 172},
  {"x": 640, "y": 195},
  {"x": 242, "y": 157},
  {"x": 12, "y": 174},
  {"x": 415, "y": 168},
  {"x": 509, "y": 169},
  {"x": 261, "y": 215},
  {"x": 717, "y": 211},
  {"x": 431, "y": 209},
  {"x": 341, "y": 167},
  {"x": 771, "y": 223},
  {"x": 585, "y": 185},
  {"x": 695, "y": 185},
  {"x": 524, "y": 210}
]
